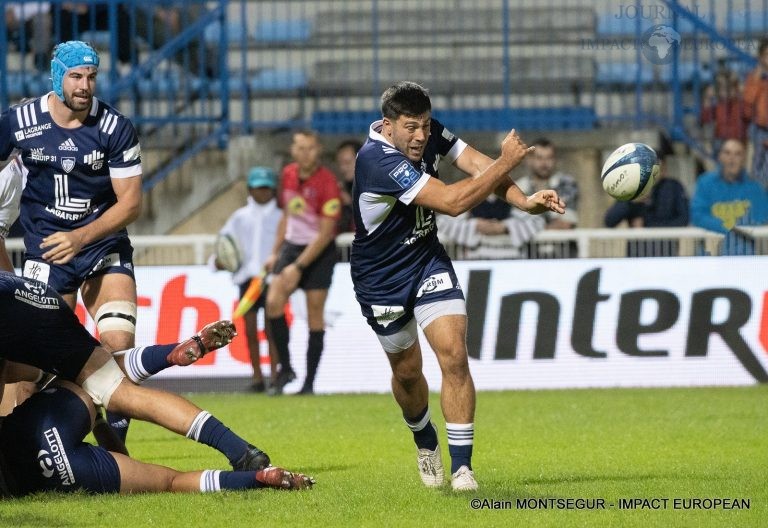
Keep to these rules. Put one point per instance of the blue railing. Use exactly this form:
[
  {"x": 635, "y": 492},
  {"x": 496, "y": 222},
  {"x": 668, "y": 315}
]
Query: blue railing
[{"x": 234, "y": 66}]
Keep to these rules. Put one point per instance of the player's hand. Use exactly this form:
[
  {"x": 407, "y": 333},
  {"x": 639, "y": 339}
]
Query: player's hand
[
  {"x": 513, "y": 150},
  {"x": 269, "y": 264},
  {"x": 62, "y": 247},
  {"x": 543, "y": 201}
]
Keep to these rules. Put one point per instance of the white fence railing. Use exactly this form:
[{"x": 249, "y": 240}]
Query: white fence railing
[{"x": 581, "y": 243}]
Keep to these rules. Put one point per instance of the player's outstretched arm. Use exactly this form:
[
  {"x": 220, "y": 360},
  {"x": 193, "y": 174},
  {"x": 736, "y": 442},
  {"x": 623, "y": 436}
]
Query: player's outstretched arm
[{"x": 463, "y": 195}]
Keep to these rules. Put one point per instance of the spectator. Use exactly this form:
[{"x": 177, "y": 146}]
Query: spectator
[
  {"x": 74, "y": 18},
  {"x": 346, "y": 152},
  {"x": 255, "y": 228},
  {"x": 542, "y": 163},
  {"x": 726, "y": 197},
  {"x": 492, "y": 230},
  {"x": 756, "y": 112},
  {"x": 304, "y": 253},
  {"x": 724, "y": 107},
  {"x": 665, "y": 206},
  {"x": 29, "y": 27}
]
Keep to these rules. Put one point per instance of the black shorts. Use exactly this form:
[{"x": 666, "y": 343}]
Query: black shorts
[
  {"x": 260, "y": 302},
  {"x": 38, "y": 328},
  {"x": 318, "y": 274}
]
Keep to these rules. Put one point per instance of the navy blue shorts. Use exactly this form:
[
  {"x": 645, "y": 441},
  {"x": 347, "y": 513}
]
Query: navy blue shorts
[
  {"x": 113, "y": 255},
  {"x": 43, "y": 448},
  {"x": 387, "y": 312},
  {"x": 38, "y": 328}
]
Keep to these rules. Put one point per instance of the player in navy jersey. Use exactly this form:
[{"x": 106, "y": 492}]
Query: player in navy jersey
[
  {"x": 402, "y": 275},
  {"x": 37, "y": 328},
  {"x": 83, "y": 188},
  {"x": 42, "y": 448}
]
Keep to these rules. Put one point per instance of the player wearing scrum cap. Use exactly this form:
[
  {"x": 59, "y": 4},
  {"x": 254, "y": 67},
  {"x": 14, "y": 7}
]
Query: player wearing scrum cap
[{"x": 83, "y": 188}]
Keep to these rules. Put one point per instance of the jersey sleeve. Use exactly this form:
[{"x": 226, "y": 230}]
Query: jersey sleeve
[
  {"x": 447, "y": 144},
  {"x": 330, "y": 206},
  {"x": 10, "y": 195},
  {"x": 124, "y": 148},
  {"x": 390, "y": 174}
]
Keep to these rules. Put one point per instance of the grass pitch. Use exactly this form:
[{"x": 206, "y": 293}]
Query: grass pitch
[{"x": 611, "y": 445}]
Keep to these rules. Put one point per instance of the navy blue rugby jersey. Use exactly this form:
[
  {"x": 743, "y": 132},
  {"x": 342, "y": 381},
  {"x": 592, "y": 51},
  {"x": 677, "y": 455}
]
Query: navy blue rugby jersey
[
  {"x": 70, "y": 170},
  {"x": 394, "y": 238}
]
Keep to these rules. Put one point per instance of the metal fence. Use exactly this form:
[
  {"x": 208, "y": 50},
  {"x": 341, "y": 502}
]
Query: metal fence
[{"x": 576, "y": 243}]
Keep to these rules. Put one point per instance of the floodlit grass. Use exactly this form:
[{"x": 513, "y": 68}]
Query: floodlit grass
[{"x": 597, "y": 444}]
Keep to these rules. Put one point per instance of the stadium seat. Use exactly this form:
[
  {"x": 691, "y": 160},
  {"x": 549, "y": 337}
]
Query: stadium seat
[
  {"x": 741, "y": 23},
  {"x": 275, "y": 80},
  {"x": 277, "y": 31},
  {"x": 235, "y": 33},
  {"x": 622, "y": 73},
  {"x": 687, "y": 73}
]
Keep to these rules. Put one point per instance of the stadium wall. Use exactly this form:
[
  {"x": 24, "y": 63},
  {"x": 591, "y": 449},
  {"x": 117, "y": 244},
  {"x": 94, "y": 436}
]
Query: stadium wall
[{"x": 532, "y": 325}]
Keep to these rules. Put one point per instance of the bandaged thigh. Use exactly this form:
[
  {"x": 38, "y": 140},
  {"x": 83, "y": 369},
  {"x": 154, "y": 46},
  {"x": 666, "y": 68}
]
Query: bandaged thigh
[
  {"x": 116, "y": 315},
  {"x": 103, "y": 383},
  {"x": 397, "y": 342}
]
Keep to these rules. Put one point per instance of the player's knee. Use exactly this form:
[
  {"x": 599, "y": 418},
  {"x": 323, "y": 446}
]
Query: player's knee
[
  {"x": 102, "y": 384},
  {"x": 117, "y": 316}
]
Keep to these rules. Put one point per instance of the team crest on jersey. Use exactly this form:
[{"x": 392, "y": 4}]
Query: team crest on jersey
[
  {"x": 435, "y": 283},
  {"x": 405, "y": 175},
  {"x": 67, "y": 164},
  {"x": 385, "y": 315}
]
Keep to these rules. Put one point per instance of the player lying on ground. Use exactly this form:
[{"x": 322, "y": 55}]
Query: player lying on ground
[
  {"x": 42, "y": 448},
  {"x": 37, "y": 328}
]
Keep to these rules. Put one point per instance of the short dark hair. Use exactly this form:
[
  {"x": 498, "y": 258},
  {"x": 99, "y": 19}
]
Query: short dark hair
[
  {"x": 405, "y": 98},
  {"x": 543, "y": 143},
  {"x": 762, "y": 45},
  {"x": 354, "y": 144}
]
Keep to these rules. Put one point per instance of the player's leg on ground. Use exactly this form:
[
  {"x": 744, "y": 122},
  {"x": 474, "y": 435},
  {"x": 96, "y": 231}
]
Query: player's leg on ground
[
  {"x": 447, "y": 336},
  {"x": 167, "y": 410},
  {"x": 315, "y": 318},
  {"x": 111, "y": 301},
  {"x": 277, "y": 297},
  {"x": 136, "y": 477},
  {"x": 409, "y": 387}
]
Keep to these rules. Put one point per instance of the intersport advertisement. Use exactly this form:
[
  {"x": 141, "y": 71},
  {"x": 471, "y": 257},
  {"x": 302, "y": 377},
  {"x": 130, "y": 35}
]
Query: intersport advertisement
[{"x": 531, "y": 324}]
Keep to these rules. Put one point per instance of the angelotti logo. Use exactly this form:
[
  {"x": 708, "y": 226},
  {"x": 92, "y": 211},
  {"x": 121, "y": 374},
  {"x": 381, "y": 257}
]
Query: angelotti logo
[{"x": 702, "y": 323}]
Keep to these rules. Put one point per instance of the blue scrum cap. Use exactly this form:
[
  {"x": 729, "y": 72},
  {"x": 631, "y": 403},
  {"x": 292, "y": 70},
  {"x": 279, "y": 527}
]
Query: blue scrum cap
[
  {"x": 68, "y": 55},
  {"x": 261, "y": 177}
]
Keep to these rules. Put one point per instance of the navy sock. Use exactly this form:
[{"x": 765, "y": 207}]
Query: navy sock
[
  {"x": 119, "y": 423},
  {"x": 143, "y": 362},
  {"x": 460, "y": 440},
  {"x": 424, "y": 433},
  {"x": 236, "y": 480},
  {"x": 207, "y": 430},
  {"x": 281, "y": 337},
  {"x": 314, "y": 351}
]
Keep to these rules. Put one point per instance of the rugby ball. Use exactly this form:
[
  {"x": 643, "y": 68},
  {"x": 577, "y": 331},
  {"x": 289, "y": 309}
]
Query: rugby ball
[
  {"x": 629, "y": 172},
  {"x": 228, "y": 253}
]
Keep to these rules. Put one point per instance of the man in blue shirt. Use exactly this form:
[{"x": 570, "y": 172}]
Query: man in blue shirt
[
  {"x": 401, "y": 273},
  {"x": 727, "y": 197}
]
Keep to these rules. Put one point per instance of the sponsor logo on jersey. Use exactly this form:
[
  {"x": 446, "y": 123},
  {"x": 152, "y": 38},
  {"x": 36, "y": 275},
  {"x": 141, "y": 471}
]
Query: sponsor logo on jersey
[
  {"x": 37, "y": 154},
  {"x": 67, "y": 164},
  {"x": 35, "y": 293},
  {"x": 32, "y": 131},
  {"x": 108, "y": 261},
  {"x": 384, "y": 315},
  {"x": 59, "y": 457},
  {"x": 46, "y": 463},
  {"x": 297, "y": 205},
  {"x": 68, "y": 145},
  {"x": 435, "y": 283},
  {"x": 332, "y": 207},
  {"x": 95, "y": 159},
  {"x": 405, "y": 175}
]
